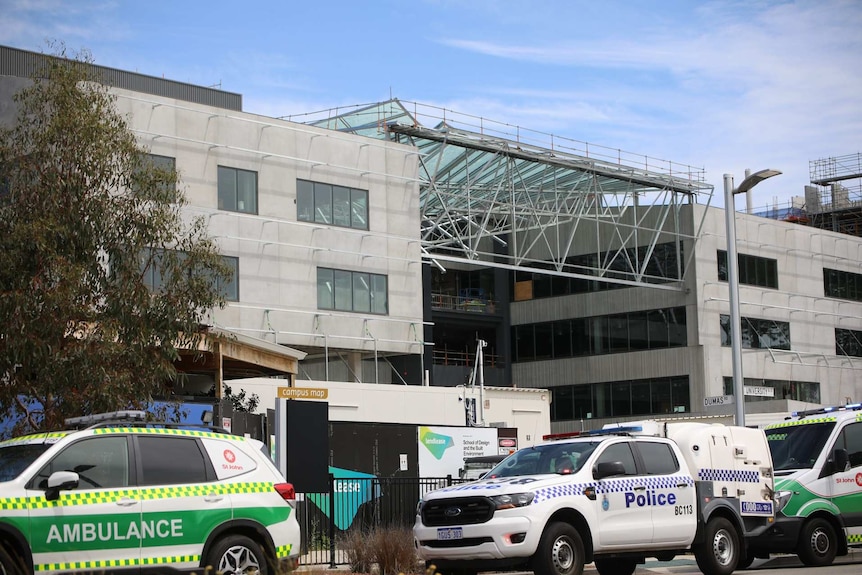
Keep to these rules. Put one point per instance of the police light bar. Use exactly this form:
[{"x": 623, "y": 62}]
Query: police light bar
[
  {"x": 556, "y": 436},
  {"x": 610, "y": 429}
]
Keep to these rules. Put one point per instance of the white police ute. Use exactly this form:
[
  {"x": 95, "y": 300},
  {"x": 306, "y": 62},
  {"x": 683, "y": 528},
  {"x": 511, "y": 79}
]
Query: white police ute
[{"x": 612, "y": 497}]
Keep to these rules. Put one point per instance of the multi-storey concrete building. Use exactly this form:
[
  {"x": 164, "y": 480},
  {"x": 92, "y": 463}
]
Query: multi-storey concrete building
[{"x": 396, "y": 243}]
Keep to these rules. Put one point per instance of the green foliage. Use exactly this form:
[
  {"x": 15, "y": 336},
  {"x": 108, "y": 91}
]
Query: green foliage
[
  {"x": 83, "y": 216},
  {"x": 239, "y": 401}
]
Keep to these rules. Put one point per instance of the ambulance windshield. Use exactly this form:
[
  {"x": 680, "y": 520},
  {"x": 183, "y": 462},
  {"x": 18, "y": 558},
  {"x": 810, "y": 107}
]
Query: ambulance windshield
[{"x": 797, "y": 446}]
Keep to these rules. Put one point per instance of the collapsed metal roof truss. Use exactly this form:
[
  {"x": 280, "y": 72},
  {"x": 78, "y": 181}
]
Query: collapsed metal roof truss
[{"x": 491, "y": 196}]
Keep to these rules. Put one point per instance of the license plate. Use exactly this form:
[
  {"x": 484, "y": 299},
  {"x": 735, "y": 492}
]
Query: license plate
[{"x": 450, "y": 533}]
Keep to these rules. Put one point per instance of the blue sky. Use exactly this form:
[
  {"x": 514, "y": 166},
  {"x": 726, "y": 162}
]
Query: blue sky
[{"x": 722, "y": 85}]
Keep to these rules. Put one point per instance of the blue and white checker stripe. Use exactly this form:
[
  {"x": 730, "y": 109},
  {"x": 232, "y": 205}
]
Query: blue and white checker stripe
[
  {"x": 612, "y": 486},
  {"x": 565, "y": 490},
  {"x": 729, "y": 475}
]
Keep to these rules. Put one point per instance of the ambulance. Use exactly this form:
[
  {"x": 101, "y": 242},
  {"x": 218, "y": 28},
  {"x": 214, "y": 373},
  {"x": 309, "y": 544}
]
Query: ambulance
[
  {"x": 818, "y": 481},
  {"x": 117, "y": 493}
]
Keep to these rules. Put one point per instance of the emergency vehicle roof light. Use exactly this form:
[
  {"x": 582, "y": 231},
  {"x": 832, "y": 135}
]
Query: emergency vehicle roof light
[
  {"x": 829, "y": 409},
  {"x": 125, "y": 415},
  {"x": 610, "y": 429}
]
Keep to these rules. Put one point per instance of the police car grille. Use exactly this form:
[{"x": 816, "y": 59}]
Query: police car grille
[{"x": 461, "y": 511}]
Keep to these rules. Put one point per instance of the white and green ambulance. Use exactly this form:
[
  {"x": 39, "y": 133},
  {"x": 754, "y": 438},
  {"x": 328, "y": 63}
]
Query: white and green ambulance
[
  {"x": 114, "y": 493},
  {"x": 817, "y": 456}
]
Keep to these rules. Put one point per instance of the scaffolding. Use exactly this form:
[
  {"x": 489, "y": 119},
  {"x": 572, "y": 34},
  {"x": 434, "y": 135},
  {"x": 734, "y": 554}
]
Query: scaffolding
[
  {"x": 834, "y": 198},
  {"x": 498, "y": 195}
]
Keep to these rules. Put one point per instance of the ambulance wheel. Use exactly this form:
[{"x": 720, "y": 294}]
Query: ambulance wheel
[
  {"x": 10, "y": 563},
  {"x": 720, "y": 551},
  {"x": 237, "y": 555},
  {"x": 560, "y": 551},
  {"x": 817, "y": 543},
  {"x": 616, "y": 566}
]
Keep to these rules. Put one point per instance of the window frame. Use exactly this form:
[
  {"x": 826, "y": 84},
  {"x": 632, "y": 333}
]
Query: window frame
[
  {"x": 162, "y": 441},
  {"x": 152, "y": 275},
  {"x": 89, "y": 440},
  {"x": 231, "y": 204},
  {"x": 343, "y": 286},
  {"x": 753, "y": 270},
  {"x": 332, "y": 205}
]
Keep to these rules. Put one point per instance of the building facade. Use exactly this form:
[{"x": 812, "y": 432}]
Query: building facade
[
  {"x": 394, "y": 253},
  {"x": 633, "y": 352}
]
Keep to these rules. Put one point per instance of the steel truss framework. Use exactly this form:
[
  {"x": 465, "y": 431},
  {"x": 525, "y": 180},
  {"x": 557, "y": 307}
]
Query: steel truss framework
[{"x": 498, "y": 195}]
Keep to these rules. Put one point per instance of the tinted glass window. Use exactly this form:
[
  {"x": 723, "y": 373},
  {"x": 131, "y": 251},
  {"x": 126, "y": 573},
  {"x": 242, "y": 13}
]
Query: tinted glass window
[
  {"x": 797, "y": 446},
  {"x": 237, "y": 190},
  {"x": 100, "y": 462},
  {"x": 658, "y": 458},
  {"x": 334, "y": 205},
  {"x": 171, "y": 461},
  {"x": 620, "y": 452},
  {"x": 851, "y": 440},
  {"x": 16, "y": 458},
  {"x": 848, "y": 342},
  {"x": 841, "y": 284}
]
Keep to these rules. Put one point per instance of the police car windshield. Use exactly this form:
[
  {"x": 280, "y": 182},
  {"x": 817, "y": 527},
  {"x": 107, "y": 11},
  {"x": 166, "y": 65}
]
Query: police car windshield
[
  {"x": 561, "y": 458},
  {"x": 16, "y": 458},
  {"x": 797, "y": 446}
]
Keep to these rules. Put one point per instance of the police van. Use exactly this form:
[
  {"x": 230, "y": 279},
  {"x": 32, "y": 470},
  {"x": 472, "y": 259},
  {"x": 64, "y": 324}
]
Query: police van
[
  {"x": 818, "y": 480},
  {"x": 115, "y": 493},
  {"x": 612, "y": 497}
]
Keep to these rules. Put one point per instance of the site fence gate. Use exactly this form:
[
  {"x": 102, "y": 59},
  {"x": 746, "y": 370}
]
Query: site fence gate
[{"x": 355, "y": 506}]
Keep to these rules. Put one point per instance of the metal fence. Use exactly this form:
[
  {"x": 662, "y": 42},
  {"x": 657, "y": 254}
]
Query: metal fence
[{"x": 357, "y": 504}]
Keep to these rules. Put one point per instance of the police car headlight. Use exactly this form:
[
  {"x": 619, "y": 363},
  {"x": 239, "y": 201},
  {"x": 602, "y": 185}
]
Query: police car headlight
[
  {"x": 513, "y": 500},
  {"x": 781, "y": 499},
  {"x": 419, "y": 507}
]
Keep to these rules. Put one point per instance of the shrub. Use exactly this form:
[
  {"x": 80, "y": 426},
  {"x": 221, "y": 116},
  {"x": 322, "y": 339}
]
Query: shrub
[{"x": 390, "y": 548}]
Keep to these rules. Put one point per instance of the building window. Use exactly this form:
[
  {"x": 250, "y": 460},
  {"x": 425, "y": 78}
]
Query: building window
[
  {"x": 848, "y": 342},
  {"x": 151, "y": 162},
  {"x": 753, "y": 270},
  {"x": 237, "y": 190},
  {"x": 843, "y": 285},
  {"x": 758, "y": 333},
  {"x": 598, "y": 335},
  {"x": 332, "y": 205},
  {"x": 655, "y": 396},
  {"x": 663, "y": 266},
  {"x": 806, "y": 391},
  {"x": 230, "y": 289},
  {"x": 154, "y": 277},
  {"x": 344, "y": 290}
]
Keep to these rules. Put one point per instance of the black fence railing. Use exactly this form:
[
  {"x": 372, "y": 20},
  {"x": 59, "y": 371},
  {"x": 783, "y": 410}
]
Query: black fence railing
[{"x": 357, "y": 503}]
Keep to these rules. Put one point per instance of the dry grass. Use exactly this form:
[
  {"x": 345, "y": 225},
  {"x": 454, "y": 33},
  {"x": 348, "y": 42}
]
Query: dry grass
[{"x": 388, "y": 550}]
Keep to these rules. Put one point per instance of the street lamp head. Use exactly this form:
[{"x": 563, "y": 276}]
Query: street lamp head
[{"x": 755, "y": 179}]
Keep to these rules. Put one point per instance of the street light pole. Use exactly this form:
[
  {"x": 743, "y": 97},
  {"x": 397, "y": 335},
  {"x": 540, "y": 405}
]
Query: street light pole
[{"x": 733, "y": 283}]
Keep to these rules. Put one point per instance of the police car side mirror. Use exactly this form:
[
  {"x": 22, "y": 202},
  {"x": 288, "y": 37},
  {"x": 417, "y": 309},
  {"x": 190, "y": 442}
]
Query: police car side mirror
[
  {"x": 60, "y": 481},
  {"x": 608, "y": 469}
]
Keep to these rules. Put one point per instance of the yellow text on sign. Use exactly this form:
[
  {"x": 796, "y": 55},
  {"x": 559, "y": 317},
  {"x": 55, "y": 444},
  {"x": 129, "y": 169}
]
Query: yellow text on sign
[{"x": 303, "y": 393}]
